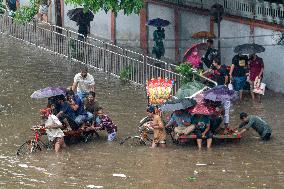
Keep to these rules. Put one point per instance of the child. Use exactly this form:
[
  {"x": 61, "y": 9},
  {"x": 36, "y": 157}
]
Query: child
[
  {"x": 158, "y": 127},
  {"x": 53, "y": 129},
  {"x": 103, "y": 122}
]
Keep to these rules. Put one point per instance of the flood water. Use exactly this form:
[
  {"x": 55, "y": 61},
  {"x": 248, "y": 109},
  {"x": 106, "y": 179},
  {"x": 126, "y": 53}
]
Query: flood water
[{"x": 24, "y": 69}]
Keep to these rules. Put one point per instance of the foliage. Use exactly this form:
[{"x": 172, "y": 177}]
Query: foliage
[
  {"x": 125, "y": 74},
  {"x": 2, "y": 7},
  {"x": 26, "y": 13},
  {"x": 127, "y": 6},
  {"x": 186, "y": 70}
]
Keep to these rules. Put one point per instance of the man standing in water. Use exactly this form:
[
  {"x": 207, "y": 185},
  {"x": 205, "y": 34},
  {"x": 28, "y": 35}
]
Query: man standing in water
[
  {"x": 83, "y": 83},
  {"x": 158, "y": 128},
  {"x": 257, "y": 124}
]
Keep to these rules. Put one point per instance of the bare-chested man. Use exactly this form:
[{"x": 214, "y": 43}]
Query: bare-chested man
[{"x": 158, "y": 128}]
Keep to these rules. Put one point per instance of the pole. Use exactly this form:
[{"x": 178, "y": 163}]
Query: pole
[{"x": 219, "y": 32}]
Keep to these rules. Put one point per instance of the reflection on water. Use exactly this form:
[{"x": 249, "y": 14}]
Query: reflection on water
[{"x": 24, "y": 69}]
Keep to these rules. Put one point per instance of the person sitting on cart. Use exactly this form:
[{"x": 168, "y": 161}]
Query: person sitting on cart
[
  {"x": 158, "y": 127},
  {"x": 103, "y": 122},
  {"x": 53, "y": 129},
  {"x": 77, "y": 105},
  {"x": 202, "y": 129},
  {"x": 216, "y": 120},
  {"x": 182, "y": 120},
  {"x": 66, "y": 113},
  {"x": 91, "y": 104},
  {"x": 255, "y": 122}
]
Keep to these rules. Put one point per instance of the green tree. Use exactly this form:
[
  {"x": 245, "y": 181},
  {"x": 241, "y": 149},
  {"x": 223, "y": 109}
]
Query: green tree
[
  {"x": 26, "y": 13},
  {"x": 2, "y": 7}
]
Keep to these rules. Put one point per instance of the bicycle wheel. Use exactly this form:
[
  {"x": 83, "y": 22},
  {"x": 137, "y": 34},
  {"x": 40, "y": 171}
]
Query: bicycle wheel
[
  {"x": 31, "y": 146},
  {"x": 133, "y": 141}
]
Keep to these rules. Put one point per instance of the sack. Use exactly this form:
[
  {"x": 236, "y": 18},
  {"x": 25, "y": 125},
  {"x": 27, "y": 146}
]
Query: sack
[
  {"x": 259, "y": 87},
  {"x": 230, "y": 86}
]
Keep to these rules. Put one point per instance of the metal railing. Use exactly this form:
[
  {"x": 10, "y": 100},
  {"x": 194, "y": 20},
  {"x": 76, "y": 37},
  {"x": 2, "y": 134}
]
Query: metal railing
[
  {"x": 255, "y": 9},
  {"x": 90, "y": 52}
]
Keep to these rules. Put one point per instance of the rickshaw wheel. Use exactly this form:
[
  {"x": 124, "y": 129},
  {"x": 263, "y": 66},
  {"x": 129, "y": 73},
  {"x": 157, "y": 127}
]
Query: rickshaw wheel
[
  {"x": 30, "y": 147},
  {"x": 133, "y": 141}
]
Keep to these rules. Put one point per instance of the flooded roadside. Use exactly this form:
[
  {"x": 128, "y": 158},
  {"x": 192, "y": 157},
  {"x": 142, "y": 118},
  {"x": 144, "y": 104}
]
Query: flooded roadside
[{"x": 24, "y": 69}]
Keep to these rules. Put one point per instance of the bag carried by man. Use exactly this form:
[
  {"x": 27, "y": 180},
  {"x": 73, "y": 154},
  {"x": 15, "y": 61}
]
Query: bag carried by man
[{"x": 259, "y": 87}]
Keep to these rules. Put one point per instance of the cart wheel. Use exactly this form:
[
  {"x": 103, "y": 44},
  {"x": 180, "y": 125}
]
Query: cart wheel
[
  {"x": 30, "y": 147},
  {"x": 133, "y": 141}
]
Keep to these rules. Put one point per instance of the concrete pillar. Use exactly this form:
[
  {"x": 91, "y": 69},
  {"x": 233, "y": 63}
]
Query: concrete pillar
[
  {"x": 143, "y": 28},
  {"x": 177, "y": 33},
  {"x": 113, "y": 27}
]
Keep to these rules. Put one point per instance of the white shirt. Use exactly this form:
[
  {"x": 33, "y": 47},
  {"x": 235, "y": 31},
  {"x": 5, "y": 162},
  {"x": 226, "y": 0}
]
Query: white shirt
[
  {"x": 84, "y": 83},
  {"x": 53, "y": 133}
]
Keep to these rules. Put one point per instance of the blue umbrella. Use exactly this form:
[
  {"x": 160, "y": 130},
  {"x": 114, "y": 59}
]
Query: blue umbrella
[
  {"x": 158, "y": 22},
  {"x": 49, "y": 92}
]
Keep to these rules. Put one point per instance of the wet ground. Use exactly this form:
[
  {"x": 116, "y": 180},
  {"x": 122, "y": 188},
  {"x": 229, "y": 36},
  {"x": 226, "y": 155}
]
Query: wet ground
[{"x": 24, "y": 69}]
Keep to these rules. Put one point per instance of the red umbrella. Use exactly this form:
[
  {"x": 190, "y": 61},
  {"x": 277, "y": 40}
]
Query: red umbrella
[
  {"x": 195, "y": 52},
  {"x": 202, "y": 108}
]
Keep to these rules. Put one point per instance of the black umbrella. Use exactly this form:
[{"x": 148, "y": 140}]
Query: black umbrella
[
  {"x": 158, "y": 22},
  {"x": 249, "y": 48},
  {"x": 178, "y": 104},
  {"x": 78, "y": 15}
]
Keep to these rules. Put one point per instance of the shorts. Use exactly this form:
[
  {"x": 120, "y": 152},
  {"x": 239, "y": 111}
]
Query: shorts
[
  {"x": 111, "y": 136},
  {"x": 199, "y": 132},
  {"x": 159, "y": 136},
  {"x": 239, "y": 83}
]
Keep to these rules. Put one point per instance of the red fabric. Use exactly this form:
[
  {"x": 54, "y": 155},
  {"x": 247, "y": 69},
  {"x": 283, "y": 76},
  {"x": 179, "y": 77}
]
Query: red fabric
[
  {"x": 255, "y": 67},
  {"x": 45, "y": 111}
]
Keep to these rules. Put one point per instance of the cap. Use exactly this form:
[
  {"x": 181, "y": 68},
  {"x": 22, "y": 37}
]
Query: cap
[
  {"x": 151, "y": 109},
  {"x": 45, "y": 111}
]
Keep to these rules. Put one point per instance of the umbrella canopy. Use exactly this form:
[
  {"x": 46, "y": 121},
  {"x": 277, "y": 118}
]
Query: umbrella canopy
[
  {"x": 189, "y": 89},
  {"x": 196, "y": 49},
  {"x": 220, "y": 93},
  {"x": 202, "y": 108},
  {"x": 158, "y": 22},
  {"x": 48, "y": 92},
  {"x": 78, "y": 15},
  {"x": 249, "y": 48},
  {"x": 203, "y": 34},
  {"x": 178, "y": 104}
]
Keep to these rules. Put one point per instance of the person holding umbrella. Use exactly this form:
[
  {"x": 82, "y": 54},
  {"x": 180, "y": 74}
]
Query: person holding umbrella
[
  {"x": 158, "y": 36},
  {"x": 256, "y": 68},
  {"x": 238, "y": 73}
]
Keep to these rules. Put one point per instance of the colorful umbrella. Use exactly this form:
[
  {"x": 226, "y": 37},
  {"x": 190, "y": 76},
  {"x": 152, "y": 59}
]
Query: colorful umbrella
[
  {"x": 220, "y": 93},
  {"x": 194, "y": 53},
  {"x": 178, "y": 104},
  {"x": 48, "y": 92},
  {"x": 158, "y": 22},
  {"x": 202, "y": 108},
  {"x": 203, "y": 34}
]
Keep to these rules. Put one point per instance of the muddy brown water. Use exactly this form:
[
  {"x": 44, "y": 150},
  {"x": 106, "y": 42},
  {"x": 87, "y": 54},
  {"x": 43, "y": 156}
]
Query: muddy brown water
[{"x": 24, "y": 69}]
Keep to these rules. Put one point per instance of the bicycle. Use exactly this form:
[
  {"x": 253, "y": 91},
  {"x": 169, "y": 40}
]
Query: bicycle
[
  {"x": 145, "y": 134},
  {"x": 35, "y": 143}
]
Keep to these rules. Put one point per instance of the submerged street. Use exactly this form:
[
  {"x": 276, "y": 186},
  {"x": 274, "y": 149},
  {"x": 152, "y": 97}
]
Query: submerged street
[{"x": 250, "y": 163}]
